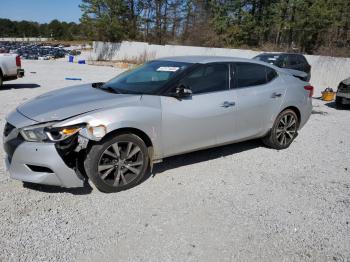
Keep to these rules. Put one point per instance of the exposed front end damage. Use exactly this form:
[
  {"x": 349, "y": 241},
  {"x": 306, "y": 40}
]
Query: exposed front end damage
[
  {"x": 41, "y": 163},
  {"x": 48, "y": 143},
  {"x": 74, "y": 149},
  {"x": 55, "y": 163}
]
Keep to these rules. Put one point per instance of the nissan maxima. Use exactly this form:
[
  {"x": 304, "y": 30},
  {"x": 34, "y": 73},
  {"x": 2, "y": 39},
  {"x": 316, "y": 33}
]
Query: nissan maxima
[{"x": 112, "y": 133}]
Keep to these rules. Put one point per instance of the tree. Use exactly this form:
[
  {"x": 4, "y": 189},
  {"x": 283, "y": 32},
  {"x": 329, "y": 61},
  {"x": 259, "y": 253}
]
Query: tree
[
  {"x": 110, "y": 20},
  {"x": 311, "y": 26}
]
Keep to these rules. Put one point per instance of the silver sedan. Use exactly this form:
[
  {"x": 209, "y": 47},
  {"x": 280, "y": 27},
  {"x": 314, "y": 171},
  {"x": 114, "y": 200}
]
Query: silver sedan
[{"x": 112, "y": 133}]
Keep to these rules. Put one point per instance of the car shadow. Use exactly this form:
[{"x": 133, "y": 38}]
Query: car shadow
[
  {"x": 167, "y": 164},
  {"x": 18, "y": 86},
  {"x": 55, "y": 189},
  {"x": 204, "y": 155},
  {"x": 334, "y": 106}
]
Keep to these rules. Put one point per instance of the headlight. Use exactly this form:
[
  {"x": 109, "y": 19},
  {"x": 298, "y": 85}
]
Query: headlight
[
  {"x": 46, "y": 132},
  {"x": 62, "y": 133}
]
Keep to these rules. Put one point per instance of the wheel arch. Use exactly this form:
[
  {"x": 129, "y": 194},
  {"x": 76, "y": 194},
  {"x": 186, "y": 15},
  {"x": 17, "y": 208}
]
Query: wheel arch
[
  {"x": 132, "y": 130},
  {"x": 92, "y": 156},
  {"x": 296, "y": 111}
]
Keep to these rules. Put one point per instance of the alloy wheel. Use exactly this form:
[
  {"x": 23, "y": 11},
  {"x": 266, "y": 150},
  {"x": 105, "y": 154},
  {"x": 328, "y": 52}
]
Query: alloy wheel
[
  {"x": 286, "y": 129},
  {"x": 121, "y": 163}
]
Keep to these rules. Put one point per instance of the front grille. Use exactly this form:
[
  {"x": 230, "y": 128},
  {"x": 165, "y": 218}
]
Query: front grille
[
  {"x": 8, "y": 128},
  {"x": 11, "y": 145}
]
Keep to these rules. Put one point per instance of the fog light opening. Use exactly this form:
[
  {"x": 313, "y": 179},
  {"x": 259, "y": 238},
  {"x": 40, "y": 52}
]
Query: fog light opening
[{"x": 39, "y": 169}]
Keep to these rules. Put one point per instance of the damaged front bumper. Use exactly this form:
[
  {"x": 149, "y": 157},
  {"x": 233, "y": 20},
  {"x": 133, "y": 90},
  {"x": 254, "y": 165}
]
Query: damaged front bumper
[{"x": 42, "y": 163}]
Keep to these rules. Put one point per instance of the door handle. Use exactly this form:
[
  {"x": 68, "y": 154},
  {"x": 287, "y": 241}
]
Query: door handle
[
  {"x": 227, "y": 104},
  {"x": 275, "y": 95}
]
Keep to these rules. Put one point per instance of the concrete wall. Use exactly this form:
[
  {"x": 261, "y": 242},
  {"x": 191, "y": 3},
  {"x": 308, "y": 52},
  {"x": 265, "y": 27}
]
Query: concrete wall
[{"x": 326, "y": 71}]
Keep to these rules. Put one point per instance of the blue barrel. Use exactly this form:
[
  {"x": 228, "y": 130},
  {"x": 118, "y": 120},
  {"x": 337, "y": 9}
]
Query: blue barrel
[{"x": 71, "y": 59}]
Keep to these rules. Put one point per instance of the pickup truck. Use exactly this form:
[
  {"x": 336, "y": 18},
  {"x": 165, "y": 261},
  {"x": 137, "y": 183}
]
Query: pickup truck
[{"x": 10, "y": 67}]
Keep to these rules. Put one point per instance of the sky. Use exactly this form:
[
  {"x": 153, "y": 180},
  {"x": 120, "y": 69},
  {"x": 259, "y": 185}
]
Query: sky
[{"x": 41, "y": 11}]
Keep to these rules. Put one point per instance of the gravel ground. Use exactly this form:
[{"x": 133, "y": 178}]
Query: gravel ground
[{"x": 242, "y": 202}]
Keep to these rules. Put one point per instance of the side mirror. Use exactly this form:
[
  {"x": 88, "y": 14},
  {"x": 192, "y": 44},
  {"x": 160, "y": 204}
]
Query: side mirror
[{"x": 182, "y": 92}]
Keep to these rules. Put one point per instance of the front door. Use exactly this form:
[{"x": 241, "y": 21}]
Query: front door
[{"x": 198, "y": 121}]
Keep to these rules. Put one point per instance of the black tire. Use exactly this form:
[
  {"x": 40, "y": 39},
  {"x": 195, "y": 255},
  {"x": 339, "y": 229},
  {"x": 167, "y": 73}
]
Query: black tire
[
  {"x": 1, "y": 79},
  {"x": 274, "y": 138},
  {"x": 338, "y": 102},
  {"x": 111, "y": 156}
]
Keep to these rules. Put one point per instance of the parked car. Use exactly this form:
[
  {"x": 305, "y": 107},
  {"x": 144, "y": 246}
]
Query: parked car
[
  {"x": 343, "y": 93},
  {"x": 10, "y": 67},
  {"x": 33, "y": 51},
  {"x": 114, "y": 132},
  {"x": 292, "y": 62}
]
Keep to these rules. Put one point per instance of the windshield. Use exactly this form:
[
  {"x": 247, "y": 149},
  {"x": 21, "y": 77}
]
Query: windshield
[
  {"x": 271, "y": 59},
  {"x": 145, "y": 79}
]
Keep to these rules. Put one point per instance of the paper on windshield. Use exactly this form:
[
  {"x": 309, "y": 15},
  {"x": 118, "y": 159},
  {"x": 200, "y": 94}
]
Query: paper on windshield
[{"x": 168, "y": 69}]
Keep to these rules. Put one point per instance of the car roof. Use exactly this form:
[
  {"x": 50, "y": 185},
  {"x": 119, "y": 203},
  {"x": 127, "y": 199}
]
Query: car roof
[
  {"x": 207, "y": 59},
  {"x": 278, "y": 54}
]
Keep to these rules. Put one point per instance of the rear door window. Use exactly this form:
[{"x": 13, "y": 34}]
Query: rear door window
[{"x": 250, "y": 74}]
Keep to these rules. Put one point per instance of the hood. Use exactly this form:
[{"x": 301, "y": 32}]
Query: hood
[{"x": 71, "y": 101}]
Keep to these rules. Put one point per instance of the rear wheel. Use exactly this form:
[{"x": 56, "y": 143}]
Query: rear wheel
[
  {"x": 1, "y": 79},
  {"x": 117, "y": 163},
  {"x": 284, "y": 130}
]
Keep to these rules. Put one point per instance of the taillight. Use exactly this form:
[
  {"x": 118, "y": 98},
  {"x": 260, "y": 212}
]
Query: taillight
[
  {"x": 310, "y": 89},
  {"x": 18, "y": 61}
]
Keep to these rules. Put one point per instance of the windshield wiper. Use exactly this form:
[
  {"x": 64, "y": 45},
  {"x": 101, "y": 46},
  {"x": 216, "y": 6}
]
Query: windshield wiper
[
  {"x": 118, "y": 91},
  {"x": 101, "y": 85},
  {"x": 111, "y": 90}
]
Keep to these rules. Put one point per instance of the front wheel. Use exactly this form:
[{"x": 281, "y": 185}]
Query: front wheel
[
  {"x": 1, "y": 80},
  {"x": 284, "y": 130},
  {"x": 117, "y": 163}
]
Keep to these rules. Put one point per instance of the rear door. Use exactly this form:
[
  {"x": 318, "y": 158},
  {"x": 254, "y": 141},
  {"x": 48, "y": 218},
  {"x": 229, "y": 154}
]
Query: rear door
[
  {"x": 259, "y": 93},
  {"x": 196, "y": 122}
]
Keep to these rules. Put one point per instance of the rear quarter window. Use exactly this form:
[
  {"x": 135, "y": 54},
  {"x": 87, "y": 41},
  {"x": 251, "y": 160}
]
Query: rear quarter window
[{"x": 271, "y": 74}]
